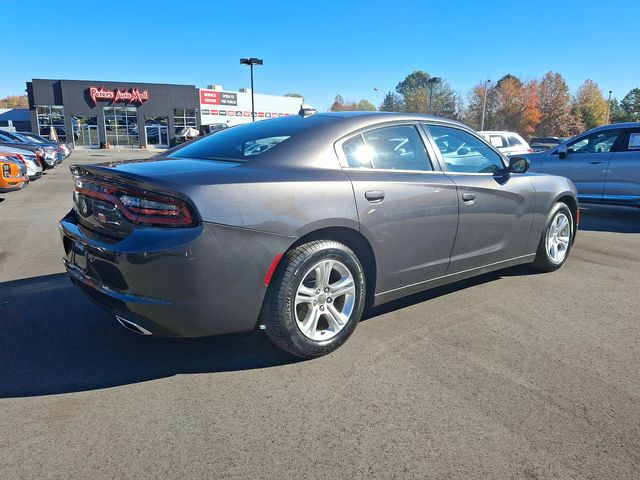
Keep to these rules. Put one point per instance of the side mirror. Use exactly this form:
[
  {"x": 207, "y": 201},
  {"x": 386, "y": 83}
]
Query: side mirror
[
  {"x": 562, "y": 152},
  {"x": 518, "y": 165}
]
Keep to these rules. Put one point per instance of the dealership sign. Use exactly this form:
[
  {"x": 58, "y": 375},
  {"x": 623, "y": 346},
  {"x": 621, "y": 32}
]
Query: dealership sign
[
  {"x": 128, "y": 95},
  {"x": 215, "y": 97}
]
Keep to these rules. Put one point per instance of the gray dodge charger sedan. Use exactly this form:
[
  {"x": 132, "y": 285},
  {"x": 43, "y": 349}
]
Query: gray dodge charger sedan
[{"x": 297, "y": 223}]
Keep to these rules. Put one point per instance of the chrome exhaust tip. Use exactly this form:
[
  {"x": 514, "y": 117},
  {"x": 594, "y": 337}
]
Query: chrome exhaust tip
[{"x": 134, "y": 327}]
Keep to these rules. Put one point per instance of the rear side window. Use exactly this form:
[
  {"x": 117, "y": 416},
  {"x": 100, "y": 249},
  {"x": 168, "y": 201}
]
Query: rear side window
[
  {"x": 244, "y": 142},
  {"x": 514, "y": 141},
  {"x": 634, "y": 141},
  {"x": 463, "y": 152},
  {"x": 497, "y": 141},
  {"x": 397, "y": 147}
]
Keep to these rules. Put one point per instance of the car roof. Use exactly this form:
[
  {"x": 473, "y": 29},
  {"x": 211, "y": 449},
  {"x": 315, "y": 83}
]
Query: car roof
[
  {"x": 613, "y": 125},
  {"x": 497, "y": 132},
  {"x": 390, "y": 116},
  {"x": 7, "y": 149}
]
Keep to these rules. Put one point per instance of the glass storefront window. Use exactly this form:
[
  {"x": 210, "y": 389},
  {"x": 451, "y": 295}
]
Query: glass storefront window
[
  {"x": 85, "y": 131},
  {"x": 51, "y": 116},
  {"x": 184, "y": 117},
  {"x": 121, "y": 126}
]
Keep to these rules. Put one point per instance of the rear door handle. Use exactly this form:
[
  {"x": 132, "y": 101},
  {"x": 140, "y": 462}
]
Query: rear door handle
[
  {"x": 468, "y": 197},
  {"x": 595, "y": 162},
  {"x": 374, "y": 196}
]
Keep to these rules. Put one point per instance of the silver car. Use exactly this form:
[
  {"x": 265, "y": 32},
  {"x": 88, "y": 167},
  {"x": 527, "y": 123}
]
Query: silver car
[
  {"x": 34, "y": 169},
  {"x": 297, "y": 223},
  {"x": 603, "y": 163}
]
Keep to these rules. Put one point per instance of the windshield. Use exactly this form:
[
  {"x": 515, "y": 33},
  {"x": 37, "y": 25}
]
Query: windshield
[
  {"x": 11, "y": 136},
  {"x": 22, "y": 138},
  {"x": 244, "y": 142},
  {"x": 33, "y": 138}
]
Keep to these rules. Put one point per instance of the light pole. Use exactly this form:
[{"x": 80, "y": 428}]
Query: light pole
[
  {"x": 431, "y": 82},
  {"x": 251, "y": 62},
  {"x": 484, "y": 103},
  {"x": 608, "y": 108}
]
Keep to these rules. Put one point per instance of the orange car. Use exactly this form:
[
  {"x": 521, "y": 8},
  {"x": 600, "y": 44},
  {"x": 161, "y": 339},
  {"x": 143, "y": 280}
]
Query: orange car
[{"x": 13, "y": 173}]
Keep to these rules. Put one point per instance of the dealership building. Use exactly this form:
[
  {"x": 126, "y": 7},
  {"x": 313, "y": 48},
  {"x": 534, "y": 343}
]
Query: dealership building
[{"x": 94, "y": 114}]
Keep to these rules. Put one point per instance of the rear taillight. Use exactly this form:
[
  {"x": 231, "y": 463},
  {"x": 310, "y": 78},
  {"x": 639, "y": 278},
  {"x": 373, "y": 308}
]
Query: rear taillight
[
  {"x": 140, "y": 206},
  {"x": 530, "y": 150}
]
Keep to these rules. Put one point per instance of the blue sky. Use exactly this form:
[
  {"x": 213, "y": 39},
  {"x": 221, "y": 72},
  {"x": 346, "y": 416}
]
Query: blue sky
[{"x": 320, "y": 48}]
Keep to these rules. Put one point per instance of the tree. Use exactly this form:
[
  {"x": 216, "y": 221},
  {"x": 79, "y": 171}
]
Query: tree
[
  {"x": 415, "y": 81},
  {"x": 510, "y": 103},
  {"x": 516, "y": 107},
  {"x": 14, "y": 101},
  {"x": 630, "y": 105},
  {"x": 555, "y": 108},
  {"x": 392, "y": 103},
  {"x": 296, "y": 95},
  {"x": 338, "y": 104},
  {"x": 473, "y": 114},
  {"x": 616, "y": 113},
  {"x": 416, "y": 94},
  {"x": 590, "y": 105},
  {"x": 365, "y": 106}
]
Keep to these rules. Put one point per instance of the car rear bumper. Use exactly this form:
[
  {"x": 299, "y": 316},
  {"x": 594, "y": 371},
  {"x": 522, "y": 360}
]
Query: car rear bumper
[{"x": 186, "y": 282}]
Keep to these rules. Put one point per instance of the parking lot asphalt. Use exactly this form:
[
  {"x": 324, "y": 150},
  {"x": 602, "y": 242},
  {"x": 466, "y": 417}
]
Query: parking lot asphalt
[{"x": 510, "y": 375}]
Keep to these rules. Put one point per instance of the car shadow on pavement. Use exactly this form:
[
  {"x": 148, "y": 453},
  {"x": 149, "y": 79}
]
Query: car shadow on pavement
[
  {"x": 426, "y": 295},
  {"x": 609, "y": 218},
  {"x": 54, "y": 340}
]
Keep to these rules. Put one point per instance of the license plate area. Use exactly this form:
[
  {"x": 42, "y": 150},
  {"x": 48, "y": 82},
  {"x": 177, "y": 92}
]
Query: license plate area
[{"x": 78, "y": 255}]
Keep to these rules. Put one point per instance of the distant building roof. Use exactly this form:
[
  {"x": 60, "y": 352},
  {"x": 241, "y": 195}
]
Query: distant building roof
[{"x": 15, "y": 114}]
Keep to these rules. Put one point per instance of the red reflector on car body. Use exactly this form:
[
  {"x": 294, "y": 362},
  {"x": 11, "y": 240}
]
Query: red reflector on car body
[{"x": 272, "y": 269}]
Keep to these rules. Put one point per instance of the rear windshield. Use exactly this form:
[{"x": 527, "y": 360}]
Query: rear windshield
[{"x": 244, "y": 142}]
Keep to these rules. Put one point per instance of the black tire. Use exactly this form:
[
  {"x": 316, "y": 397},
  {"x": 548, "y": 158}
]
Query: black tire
[
  {"x": 278, "y": 315},
  {"x": 543, "y": 260}
]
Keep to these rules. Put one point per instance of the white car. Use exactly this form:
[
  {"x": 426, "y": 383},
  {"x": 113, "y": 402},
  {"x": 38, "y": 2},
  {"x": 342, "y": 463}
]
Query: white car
[
  {"x": 34, "y": 169},
  {"x": 509, "y": 143}
]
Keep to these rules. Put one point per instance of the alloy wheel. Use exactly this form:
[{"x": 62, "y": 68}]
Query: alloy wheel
[
  {"x": 558, "y": 237},
  {"x": 325, "y": 300}
]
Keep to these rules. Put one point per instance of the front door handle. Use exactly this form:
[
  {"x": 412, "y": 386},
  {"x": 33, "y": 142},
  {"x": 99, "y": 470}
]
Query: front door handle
[
  {"x": 374, "y": 196},
  {"x": 468, "y": 197},
  {"x": 596, "y": 162}
]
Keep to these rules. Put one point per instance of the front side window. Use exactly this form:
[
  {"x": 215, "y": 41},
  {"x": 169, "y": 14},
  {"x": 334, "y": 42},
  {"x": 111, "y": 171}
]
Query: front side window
[
  {"x": 463, "y": 152},
  {"x": 597, "y": 142},
  {"x": 389, "y": 148}
]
